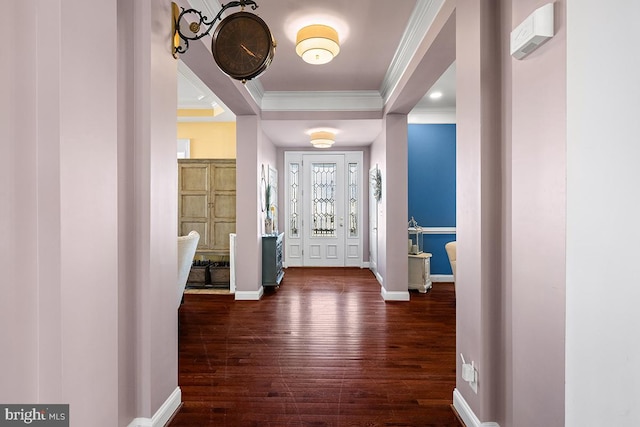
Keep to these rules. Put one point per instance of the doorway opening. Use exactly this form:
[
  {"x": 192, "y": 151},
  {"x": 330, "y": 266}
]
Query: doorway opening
[{"x": 324, "y": 209}]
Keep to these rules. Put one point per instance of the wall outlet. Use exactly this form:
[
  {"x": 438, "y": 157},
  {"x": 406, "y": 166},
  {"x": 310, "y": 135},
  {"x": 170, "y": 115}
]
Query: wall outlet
[
  {"x": 470, "y": 374},
  {"x": 474, "y": 384}
]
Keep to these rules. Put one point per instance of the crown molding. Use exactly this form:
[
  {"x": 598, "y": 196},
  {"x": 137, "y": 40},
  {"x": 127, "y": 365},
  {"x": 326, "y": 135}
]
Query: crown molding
[
  {"x": 365, "y": 100},
  {"x": 421, "y": 19},
  {"x": 255, "y": 89}
]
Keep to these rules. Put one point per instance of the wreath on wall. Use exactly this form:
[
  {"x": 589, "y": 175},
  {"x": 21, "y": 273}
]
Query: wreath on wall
[{"x": 377, "y": 185}]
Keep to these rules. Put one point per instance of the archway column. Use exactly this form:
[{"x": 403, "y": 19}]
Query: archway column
[
  {"x": 248, "y": 210},
  {"x": 478, "y": 201}
]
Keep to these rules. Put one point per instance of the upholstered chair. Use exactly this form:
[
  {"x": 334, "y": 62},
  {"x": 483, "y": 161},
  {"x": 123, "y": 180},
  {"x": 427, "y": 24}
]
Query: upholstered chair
[
  {"x": 451, "y": 253},
  {"x": 186, "y": 251}
]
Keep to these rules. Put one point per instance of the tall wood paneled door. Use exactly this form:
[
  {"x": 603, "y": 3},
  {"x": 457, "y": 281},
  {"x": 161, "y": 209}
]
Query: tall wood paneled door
[{"x": 207, "y": 202}]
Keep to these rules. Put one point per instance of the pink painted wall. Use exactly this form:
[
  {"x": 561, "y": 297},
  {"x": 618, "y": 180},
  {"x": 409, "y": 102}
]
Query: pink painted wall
[
  {"x": 88, "y": 213},
  {"x": 91, "y": 308},
  {"x": 18, "y": 213},
  {"x": 378, "y": 157},
  {"x": 389, "y": 152},
  {"x": 395, "y": 197},
  {"x": 511, "y": 216},
  {"x": 254, "y": 150},
  {"x": 538, "y": 209},
  {"x": 249, "y": 225},
  {"x": 61, "y": 211},
  {"x": 504, "y": 394},
  {"x": 155, "y": 172},
  {"x": 127, "y": 290},
  {"x": 478, "y": 202}
]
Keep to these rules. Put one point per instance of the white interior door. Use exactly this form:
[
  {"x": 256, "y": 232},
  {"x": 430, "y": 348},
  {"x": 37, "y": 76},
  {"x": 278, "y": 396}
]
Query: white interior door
[{"x": 324, "y": 210}]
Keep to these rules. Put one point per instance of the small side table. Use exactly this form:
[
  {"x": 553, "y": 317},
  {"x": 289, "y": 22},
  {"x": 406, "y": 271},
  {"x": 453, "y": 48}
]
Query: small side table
[{"x": 420, "y": 272}]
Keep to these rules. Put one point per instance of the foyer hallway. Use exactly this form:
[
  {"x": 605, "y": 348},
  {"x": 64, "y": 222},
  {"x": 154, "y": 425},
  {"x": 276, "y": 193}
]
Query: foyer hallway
[{"x": 323, "y": 349}]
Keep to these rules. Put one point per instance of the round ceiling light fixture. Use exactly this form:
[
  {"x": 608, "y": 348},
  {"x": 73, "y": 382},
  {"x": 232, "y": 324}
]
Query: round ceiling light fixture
[
  {"x": 322, "y": 139},
  {"x": 317, "y": 44}
]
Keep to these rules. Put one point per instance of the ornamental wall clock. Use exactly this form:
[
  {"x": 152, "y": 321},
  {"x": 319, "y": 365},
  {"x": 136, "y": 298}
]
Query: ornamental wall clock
[{"x": 243, "y": 46}]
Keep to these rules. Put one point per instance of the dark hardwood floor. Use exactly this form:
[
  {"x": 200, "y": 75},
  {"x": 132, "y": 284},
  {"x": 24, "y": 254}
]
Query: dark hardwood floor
[{"x": 322, "y": 350}]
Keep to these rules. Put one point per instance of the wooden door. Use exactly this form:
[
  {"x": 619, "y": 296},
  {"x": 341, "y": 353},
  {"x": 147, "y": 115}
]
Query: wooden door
[
  {"x": 193, "y": 200},
  {"x": 222, "y": 206}
]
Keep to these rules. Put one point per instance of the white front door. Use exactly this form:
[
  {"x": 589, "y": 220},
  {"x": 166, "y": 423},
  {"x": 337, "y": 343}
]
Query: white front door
[
  {"x": 323, "y": 209},
  {"x": 323, "y": 223}
]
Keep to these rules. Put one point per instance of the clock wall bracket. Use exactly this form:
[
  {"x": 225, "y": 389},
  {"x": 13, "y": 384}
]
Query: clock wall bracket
[
  {"x": 242, "y": 44},
  {"x": 190, "y": 24}
]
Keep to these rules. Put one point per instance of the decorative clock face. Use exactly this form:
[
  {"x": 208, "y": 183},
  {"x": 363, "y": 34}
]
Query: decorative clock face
[{"x": 243, "y": 46}]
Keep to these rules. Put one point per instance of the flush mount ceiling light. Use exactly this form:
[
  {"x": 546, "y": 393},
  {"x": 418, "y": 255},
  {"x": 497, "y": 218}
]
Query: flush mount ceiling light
[
  {"x": 322, "y": 139},
  {"x": 317, "y": 44},
  {"x": 435, "y": 95}
]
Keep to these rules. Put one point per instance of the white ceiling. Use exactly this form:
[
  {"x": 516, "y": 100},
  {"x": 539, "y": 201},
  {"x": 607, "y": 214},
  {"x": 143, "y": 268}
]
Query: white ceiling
[
  {"x": 377, "y": 39},
  {"x": 194, "y": 94}
]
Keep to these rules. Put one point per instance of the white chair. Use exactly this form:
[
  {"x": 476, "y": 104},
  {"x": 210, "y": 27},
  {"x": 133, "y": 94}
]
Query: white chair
[
  {"x": 451, "y": 253},
  {"x": 187, "y": 246}
]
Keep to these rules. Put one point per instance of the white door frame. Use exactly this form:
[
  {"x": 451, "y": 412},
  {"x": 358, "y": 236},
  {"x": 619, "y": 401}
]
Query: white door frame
[
  {"x": 294, "y": 235},
  {"x": 373, "y": 223}
]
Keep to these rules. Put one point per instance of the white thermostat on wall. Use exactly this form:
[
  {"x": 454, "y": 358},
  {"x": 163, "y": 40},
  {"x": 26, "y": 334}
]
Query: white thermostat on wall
[{"x": 532, "y": 32}]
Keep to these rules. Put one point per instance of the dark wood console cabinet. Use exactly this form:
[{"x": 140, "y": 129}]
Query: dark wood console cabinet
[{"x": 272, "y": 271}]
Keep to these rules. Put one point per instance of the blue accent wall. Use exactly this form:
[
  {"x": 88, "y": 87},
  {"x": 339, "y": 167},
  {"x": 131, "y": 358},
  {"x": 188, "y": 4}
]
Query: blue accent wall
[{"x": 432, "y": 186}]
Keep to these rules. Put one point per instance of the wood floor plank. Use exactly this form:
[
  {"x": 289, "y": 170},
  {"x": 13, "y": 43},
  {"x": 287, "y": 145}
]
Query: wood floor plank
[{"x": 322, "y": 350}]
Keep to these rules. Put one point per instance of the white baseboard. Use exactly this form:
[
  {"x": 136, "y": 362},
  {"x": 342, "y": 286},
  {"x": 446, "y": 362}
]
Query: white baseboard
[
  {"x": 379, "y": 278},
  {"x": 394, "y": 295},
  {"x": 249, "y": 295},
  {"x": 442, "y": 278},
  {"x": 163, "y": 414},
  {"x": 365, "y": 264},
  {"x": 466, "y": 413}
]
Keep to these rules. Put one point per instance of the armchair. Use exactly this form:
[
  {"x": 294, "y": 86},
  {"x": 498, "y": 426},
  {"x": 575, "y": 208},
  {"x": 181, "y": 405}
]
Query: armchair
[
  {"x": 451, "y": 253},
  {"x": 186, "y": 251}
]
